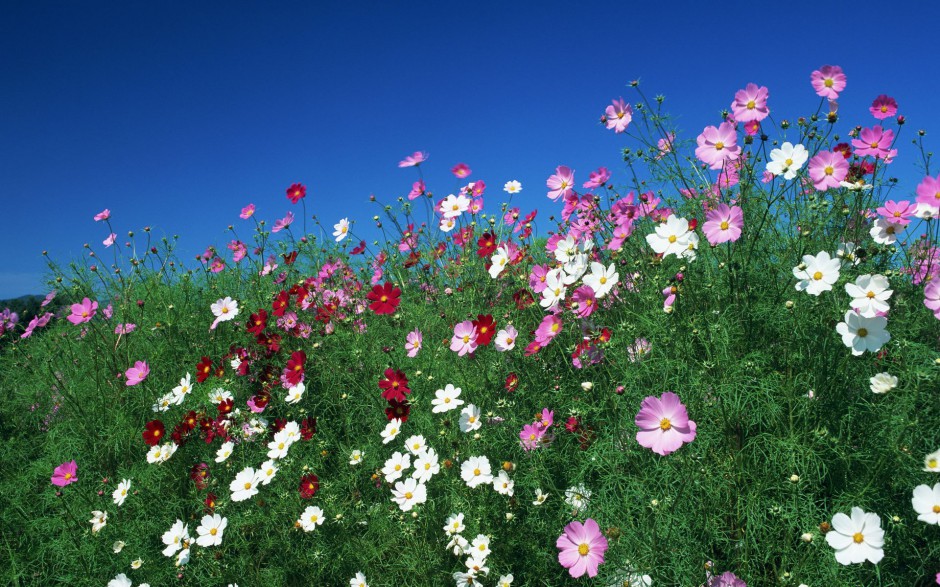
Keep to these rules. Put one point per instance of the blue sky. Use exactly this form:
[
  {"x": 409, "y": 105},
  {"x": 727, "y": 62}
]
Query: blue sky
[{"x": 175, "y": 115}]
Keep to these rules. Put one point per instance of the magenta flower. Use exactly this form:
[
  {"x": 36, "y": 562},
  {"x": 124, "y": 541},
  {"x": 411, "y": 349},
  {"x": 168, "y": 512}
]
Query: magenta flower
[
  {"x": 465, "y": 338},
  {"x": 137, "y": 373},
  {"x": 83, "y": 312},
  {"x": 581, "y": 548},
  {"x": 247, "y": 212},
  {"x": 618, "y": 115},
  {"x": 125, "y": 328},
  {"x": 874, "y": 141},
  {"x": 597, "y": 179},
  {"x": 726, "y": 579},
  {"x": 664, "y": 424},
  {"x": 531, "y": 436},
  {"x": 723, "y": 224},
  {"x": 65, "y": 474},
  {"x": 897, "y": 212},
  {"x": 827, "y": 170},
  {"x": 928, "y": 191},
  {"x": 460, "y": 170},
  {"x": 417, "y": 188},
  {"x": 560, "y": 185},
  {"x": 547, "y": 330},
  {"x": 750, "y": 104},
  {"x": 283, "y": 223},
  {"x": 413, "y": 160},
  {"x": 828, "y": 81},
  {"x": 413, "y": 343},
  {"x": 718, "y": 145},
  {"x": 884, "y": 107},
  {"x": 584, "y": 301}
]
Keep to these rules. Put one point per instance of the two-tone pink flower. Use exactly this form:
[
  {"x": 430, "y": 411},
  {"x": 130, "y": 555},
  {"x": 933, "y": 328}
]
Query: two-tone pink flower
[{"x": 664, "y": 424}]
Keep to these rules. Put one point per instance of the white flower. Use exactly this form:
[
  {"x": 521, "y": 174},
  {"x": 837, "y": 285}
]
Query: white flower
[
  {"x": 279, "y": 446},
  {"x": 137, "y": 563},
  {"x": 341, "y": 229},
  {"x": 470, "y": 419},
  {"x": 884, "y": 232},
  {"x": 182, "y": 558},
  {"x": 446, "y": 399},
  {"x": 480, "y": 547},
  {"x": 292, "y": 431},
  {"x": 787, "y": 160},
  {"x": 458, "y": 545},
  {"x": 578, "y": 497},
  {"x": 858, "y": 538},
  {"x": 503, "y": 484},
  {"x": 932, "y": 462},
  {"x": 447, "y": 224},
  {"x": 219, "y": 395},
  {"x": 454, "y": 524},
  {"x": 175, "y": 538},
  {"x": 498, "y": 261},
  {"x": 120, "y": 581},
  {"x": 295, "y": 393},
  {"x": 505, "y": 581},
  {"x": 396, "y": 466},
  {"x": 267, "y": 471},
  {"x": 409, "y": 492},
  {"x": 566, "y": 249},
  {"x": 120, "y": 494},
  {"x": 925, "y": 211},
  {"x": 426, "y": 466},
  {"x": 926, "y": 502},
  {"x": 476, "y": 565},
  {"x": 856, "y": 186},
  {"x": 539, "y": 497},
  {"x": 506, "y": 339},
  {"x": 883, "y": 383},
  {"x": 869, "y": 294},
  {"x": 630, "y": 577},
  {"x": 118, "y": 546},
  {"x": 358, "y": 581},
  {"x": 453, "y": 206},
  {"x": 355, "y": 457},
  {"x": 311, "y": 518},
  {"x": 391, "y": 430},
  {"x": 468, "y": 579},
  {"x": 555, "y": 290},
  {"x": 601, "y": 279},
  {"x": 476, "y": 471},
  {"x": 691, "y": 248},
  {"x": 863, "y": 334},
  {"x": 846, "y": 254},
  {"x": 671, "y": 237},
  {"x": 210, "y": 530},
  {"x": 574, "y": 268},
  {"x": 98, "y": 521},
  {"x": 182, "y": 390},
  {"x": 512, "y": 187},
  {"x": 820, "y": 273},
  {"x": 224, "y": 310},
  {"x": 245, "y": 484},
  {"x": 163, "y": 404}
]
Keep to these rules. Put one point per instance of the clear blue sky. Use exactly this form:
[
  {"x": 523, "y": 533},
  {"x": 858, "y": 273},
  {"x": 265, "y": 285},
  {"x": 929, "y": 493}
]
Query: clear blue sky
[{"x": 176, "y": 114}]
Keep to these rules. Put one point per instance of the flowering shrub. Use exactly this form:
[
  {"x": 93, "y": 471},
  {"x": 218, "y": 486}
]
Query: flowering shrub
[{"x": 688, "y": 380}]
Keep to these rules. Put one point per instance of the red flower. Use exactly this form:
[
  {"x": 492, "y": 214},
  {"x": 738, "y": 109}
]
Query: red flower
[
  {"x": 523, "y": 299},
  {"x": 397, "y": 409},
  {"x": 486, "y": 244},
  {"x": 203, "y": 369},
  {"x": 512, "y": 382},
  {"x": 200, "y": 475},
  {"x": 225, "y": 407},
  {"x": 280, "y": 303},
  {"x": 843, "y": 148},
  {"x": 289, "y": 258},
  {"x": 296, "y": 192},
  {"x": 210, "y": 502},
  {"x": 308, "y": 427},
  {"x": 309, "y": 484},
  {"x": 394, "y": 386},
  {"x": 190, "y": 421},
  {"x": 360, "y": 248},
  {"x": 294, "y": 372},
  {"x": 385, "y": 298},
  {"x": 486, "y": 329},
  {"x": 153, "y": 432}
]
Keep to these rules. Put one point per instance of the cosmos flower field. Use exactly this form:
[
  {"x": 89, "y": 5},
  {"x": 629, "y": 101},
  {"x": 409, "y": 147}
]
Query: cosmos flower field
[{"x": 720, "y": 370}]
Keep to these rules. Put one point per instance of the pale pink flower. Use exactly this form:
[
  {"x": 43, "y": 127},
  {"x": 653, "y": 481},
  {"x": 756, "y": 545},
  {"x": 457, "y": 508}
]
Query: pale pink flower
[
  {"x": 413, "y": 160},
  {"x": 465, "y": 338},
  {"x": 103, "y": 215},
  {"x": 750, "y": 104},
  {"x": 83, "y": 312},
  {"x": 597, "y": 178},
  {"x": 561, "y": 184},
  {"x": 413, "y": 343},
  {"x": 283, "y": 223},
  {"x": 928, "y": 192},
  {"x": 581, "y": 548},
  {"x": 618, "y": 115},
  {"x": 247, "y": 212},
  {"x": 717, "y": 145},
  {"x": 827, "y": 170},
  {"x": 828, "y": 81},
  {"x": 110, "y": 240},
  {"x": 664, "y": 424},
  {"x": 723, "y": 224}
]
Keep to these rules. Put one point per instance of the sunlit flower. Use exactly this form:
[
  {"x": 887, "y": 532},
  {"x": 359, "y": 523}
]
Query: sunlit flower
[
  {"x": 120, "y": 494},
  {"x": 98, "y": 521},
  {"x": 341, "y": 229},
  {"x": 476, "y": 471},
  {"x": 391, "y": 430},
  {"x": 787, "y": 160},
  {"x": 664, "y": 424},
  {"x": 828, "y": 81},
  {"x": 470, "y": 419},
  {"x": 446, "y": 399},
  {"x": 858, "y": 538},
  {"x": 750, "y": 104},
  {"x": 512, "y": 187},
  {"x": 618, "y": 115},
  {"x": 396, "y": 466},
  {"x": 408, "y": 493},
  {"x": 581, "y": 548},
  {"x": 818, "y": 275},
  {"x": 883, "y": 383},
  {"x": 311, "y": 518},
  {"x": 718, "y": 145},
  {"x": 65, "y": 474},
  {"x": 863, "y": 334},
  {"x": 869, "y": 294}
]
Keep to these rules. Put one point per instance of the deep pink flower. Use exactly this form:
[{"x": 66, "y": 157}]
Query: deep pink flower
[
  {"x": 460, "y": 170},
  {"x": 283, "y": 223},
  {"x": 531, "y": 436},
  {"x": 83, "y": 312},
  {"x": 581, "y": 548},
  {"x": 874, "y": 141},
  {"x": 65, "y": 474},
  {"x": 664, "y": 424},
  {"x": 465, "y": 338},
  {"x": 296, "y": 192},
  {"x": 827, "y": 170},
  {"x": 883, "y": 107},
  {"x": 103, "y": 215},
  {"x": 417, "y": 188},
  {"x": 597, "y": 178},
  {"x": 718, "y": 145},
  {"x": 584, "y": 301},
  {"x": 928, "y": 191},
  {"x": 413, "y": 160},
  {"x": 618, "y": 115},
  {"x": 125, "y": 328},
  {"x": 750, "y": 104},
  {"x": 560, "y": 185},
  {"x": 137, "y": 373},
  {"x": 723, "y": 224},
  {"x": 547, "y": 330},
  {"x": 897, "y": 212},
  {"x": 247, "y": 212},
  {"x": 828, "y": 81}
]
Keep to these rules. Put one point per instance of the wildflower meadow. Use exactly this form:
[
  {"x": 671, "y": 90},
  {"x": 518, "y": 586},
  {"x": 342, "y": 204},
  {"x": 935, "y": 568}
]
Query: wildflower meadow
[{"x": 722, "y": 371}]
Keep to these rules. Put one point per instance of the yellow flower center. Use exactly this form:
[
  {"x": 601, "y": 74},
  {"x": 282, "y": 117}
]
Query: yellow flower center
[
  {"x": 476, "y": 471},
  {"x": 427, "y": 466},
  {"x": 870, "y": 295},
  {"x": 398, "y": 467},
  {"x": 724, "y": 225},
  {"x": 858, "y": 538},
  {"x": 555, "y": 327},
  {"x": 214, "y": 531},
  {"x": 466, "y": 338},
  {"x": 932, "y": 463},
  {"x": 68, "y": 476},
  {"x": 247, "y": 485},
  {"x": 583, "y": 549},
  {"x": 788, "y": 162},
  {"x": 936, "y": 509},
  {"x": 884, "y": 108},
  {"x": 751, "y": 104},
  {"x": 665, "y": 424},
  {"x": 874, "y": 145},
  {"x": 829, "y": 170},
  {"x": 818, "y": 275},
  {"x": 603, "y": 280},
  {"x": 672, "y": 238},
  {"x": 408, "y": 495},
  {"x": 862, "y": 332},
  {"x": 828, "y": 83},
  {"x": 719, "y": 146}
]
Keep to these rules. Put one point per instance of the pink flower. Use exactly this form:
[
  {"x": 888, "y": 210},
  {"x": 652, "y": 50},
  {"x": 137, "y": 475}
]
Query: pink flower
[
  {"x": 547, "y": 330},
  {"x": 531, "y": 436},
  {"x": 110, "y": 240},
  {"x": 723, "y": 224},
  {"x": 883, "y": 107},
  {"x": 465, "y": 338},
  {"x": 597, "y": 178},
  {"x": 137, "y": 373},
  {"x": 460, "y": 170},
  {"x": 717, "y": 145},
  {"x": 664, "y": 424},
  {"x": 283, "y": 223},
  {"x": 618, "y": 115},
  {"x": 413, "y": 343},
  {"x": 827, "y": 170},
  {"x": 584, "y": 301},
  {"x": 897, "y": 212},
  {"x": 247, "y": 212},
  {"x": 874, "y": 141},
  {"x": 750, "y": 104},
  {"x": 561, "y": 185},
  {"x": 417, "y": 188},
  {"x": 665, "y": 145},
  {"x": 932, "y": 297},
  {"x": 125, "y": 328},
  {"x": 928, "y": 192},
  {"x": 581, "y": 548},
  {"x": 413, "y": 160},
  {"x": 65, "y": 474},
  {"x": 239, "y": 250},
  {"x": 103, "y": 215},
  {"x": 828, "y": 81},
  {"x": 83, "y": 312}
]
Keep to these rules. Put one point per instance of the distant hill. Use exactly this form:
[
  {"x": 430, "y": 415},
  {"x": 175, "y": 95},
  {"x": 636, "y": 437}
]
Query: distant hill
[{"x": 25, "y": 306}]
